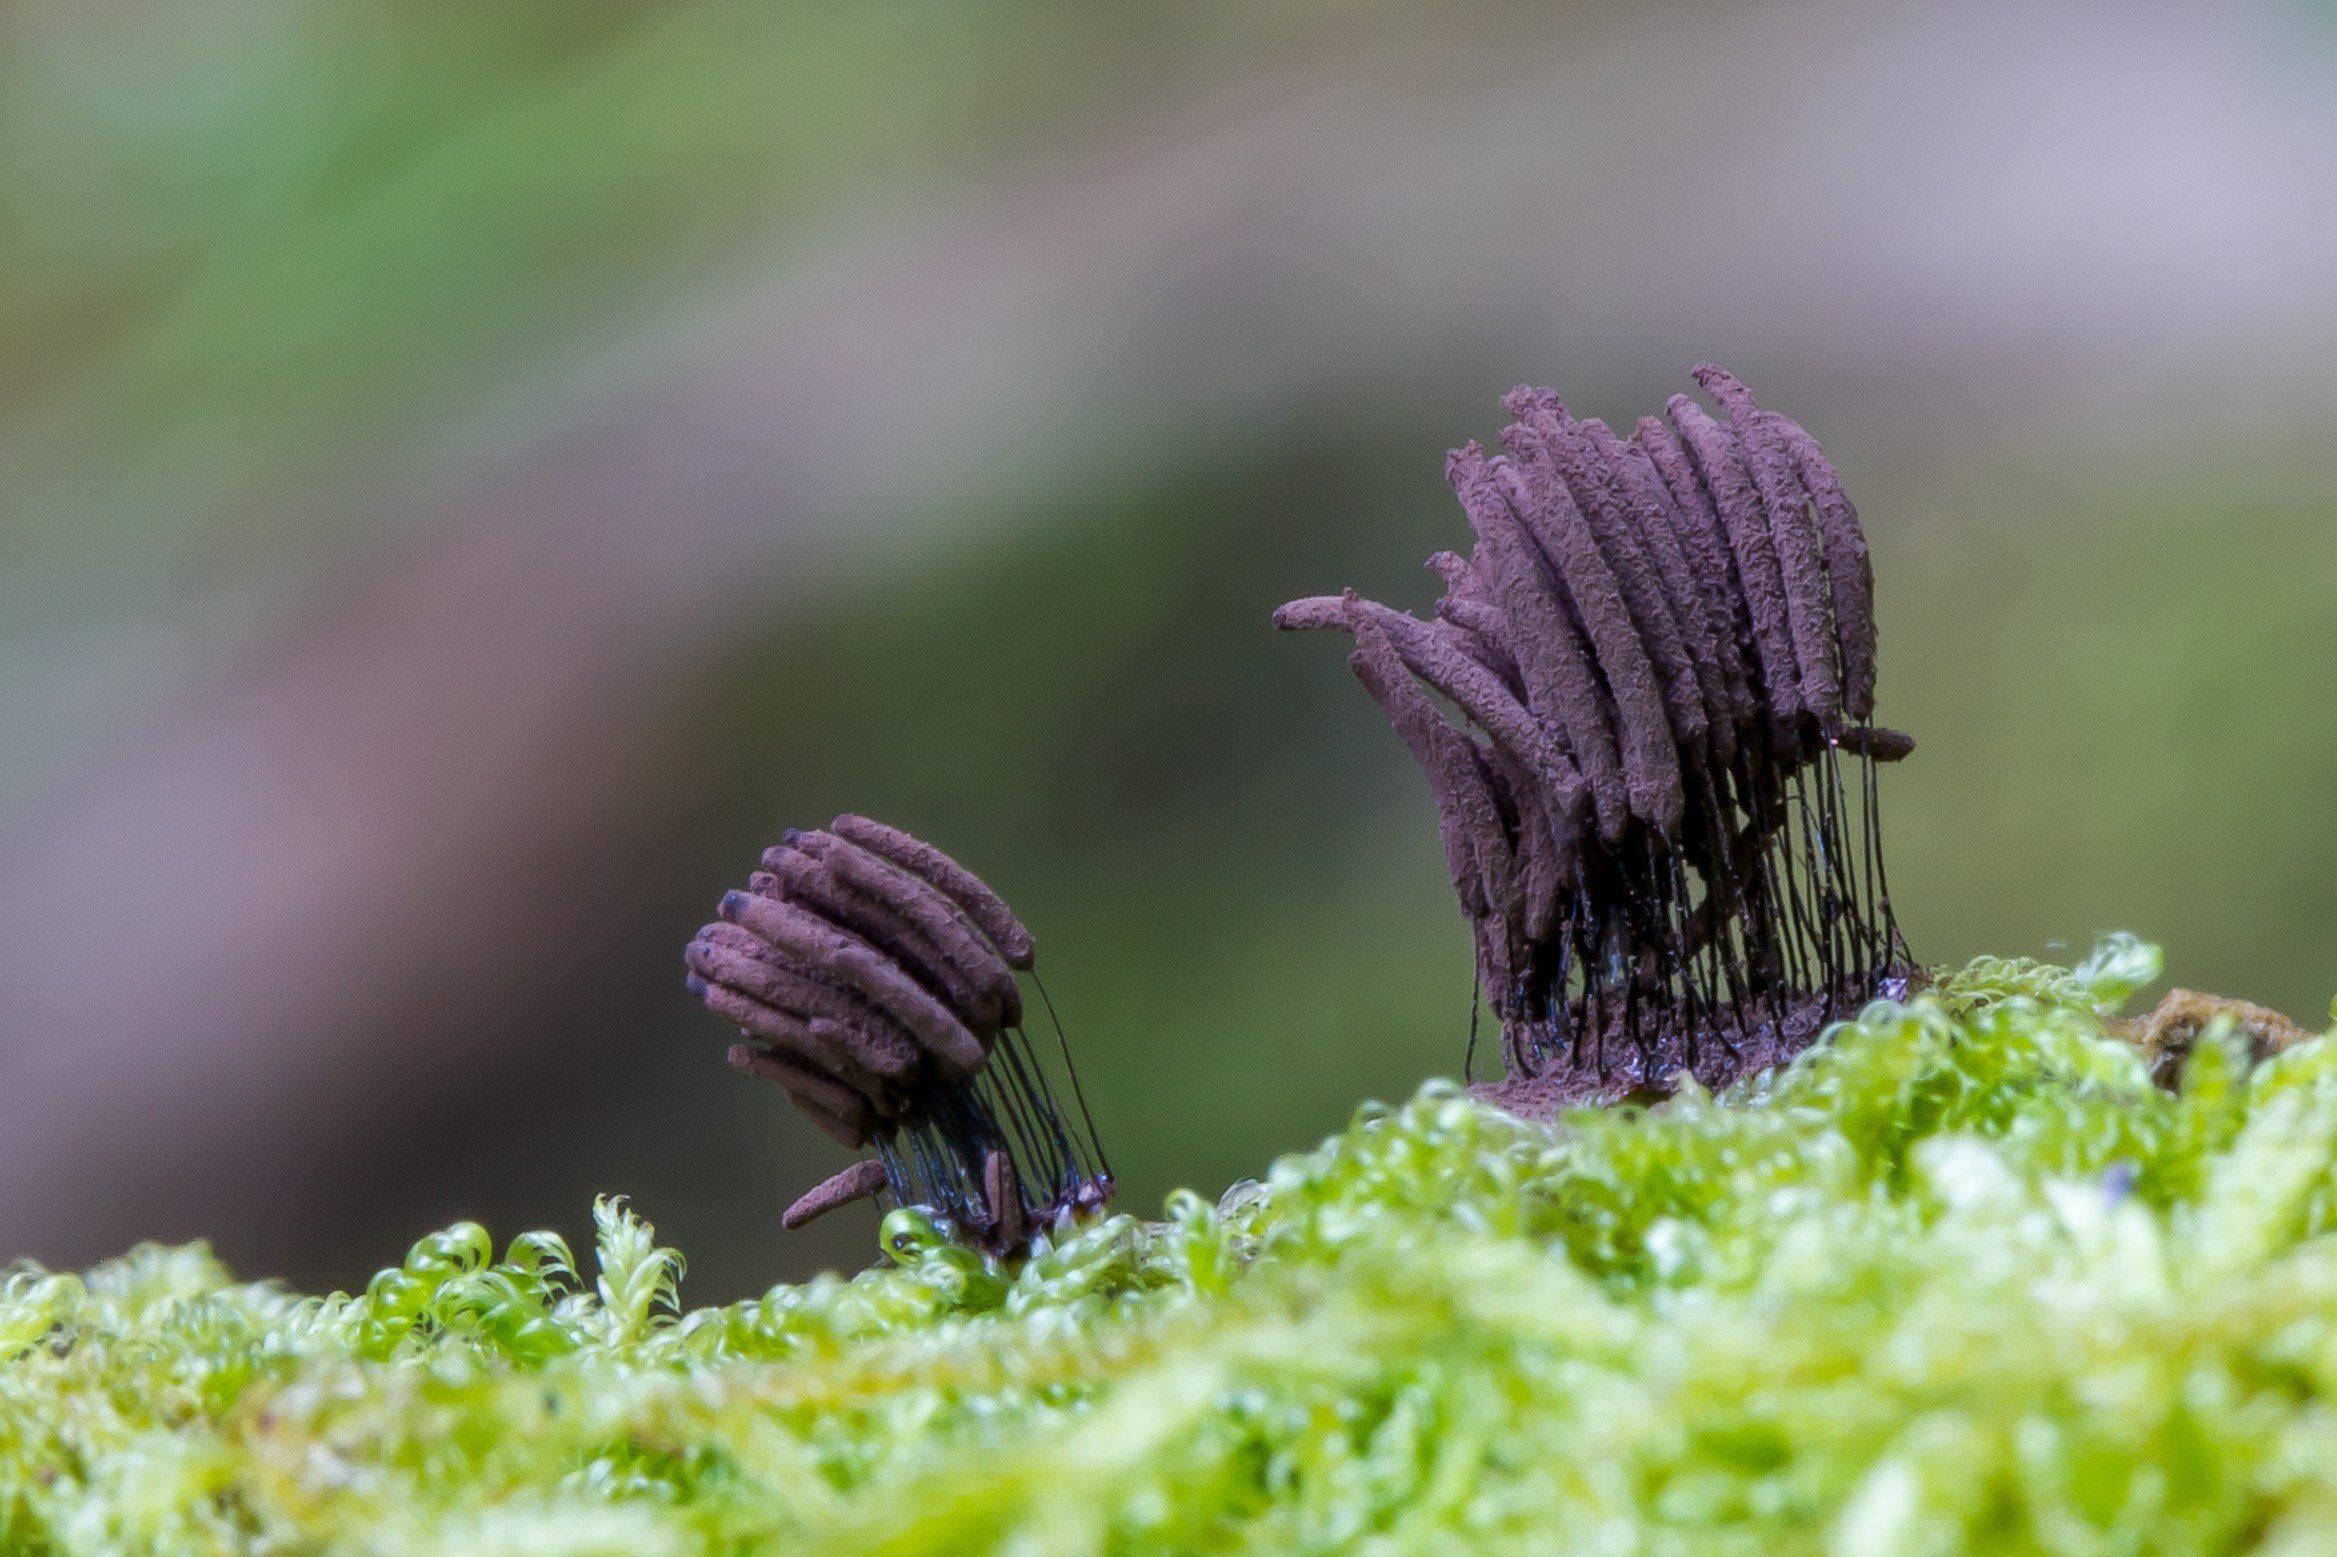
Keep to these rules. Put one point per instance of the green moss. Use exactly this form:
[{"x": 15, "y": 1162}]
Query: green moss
[{"x": 1961, "y": 1280}]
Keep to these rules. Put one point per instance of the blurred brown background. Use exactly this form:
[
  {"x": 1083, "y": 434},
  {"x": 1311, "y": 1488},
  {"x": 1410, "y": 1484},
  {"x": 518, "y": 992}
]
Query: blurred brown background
[{"x": 470, "y": 475}]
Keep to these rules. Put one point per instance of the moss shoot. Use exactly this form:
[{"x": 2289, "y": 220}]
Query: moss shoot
[{"x": 1961, "y": 1279}]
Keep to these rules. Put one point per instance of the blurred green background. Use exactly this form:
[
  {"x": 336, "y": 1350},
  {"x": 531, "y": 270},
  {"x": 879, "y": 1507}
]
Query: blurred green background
[{"x": 471, "y": 475}]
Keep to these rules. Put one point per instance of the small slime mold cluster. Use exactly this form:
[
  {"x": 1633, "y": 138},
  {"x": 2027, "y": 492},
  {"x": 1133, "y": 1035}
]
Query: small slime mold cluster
[{"x": 873, "y": 978}]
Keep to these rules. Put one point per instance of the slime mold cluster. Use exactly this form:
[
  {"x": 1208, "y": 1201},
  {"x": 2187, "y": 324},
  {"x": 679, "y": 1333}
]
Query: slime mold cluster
[
  {"x": 873, "y": 978},
  {"x": 1658, "y": 805}
]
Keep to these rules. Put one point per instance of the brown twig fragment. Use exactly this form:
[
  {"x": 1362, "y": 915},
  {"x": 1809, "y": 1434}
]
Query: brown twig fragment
[{"x": 2168, "y": 1032}]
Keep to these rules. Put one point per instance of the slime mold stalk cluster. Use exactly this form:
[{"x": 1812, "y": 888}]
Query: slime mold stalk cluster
[
  {"x": 874, "y": 978},
  {"x": 1658, "y": 803}
]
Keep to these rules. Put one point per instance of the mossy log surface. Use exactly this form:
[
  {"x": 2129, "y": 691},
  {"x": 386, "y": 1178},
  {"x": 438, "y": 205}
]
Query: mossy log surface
[{"x": 1963, "y": 1277}]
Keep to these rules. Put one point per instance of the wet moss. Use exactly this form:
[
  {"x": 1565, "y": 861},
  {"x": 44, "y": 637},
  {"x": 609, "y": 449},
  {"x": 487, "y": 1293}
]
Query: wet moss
[{"x": 1961, "y": 1278}]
